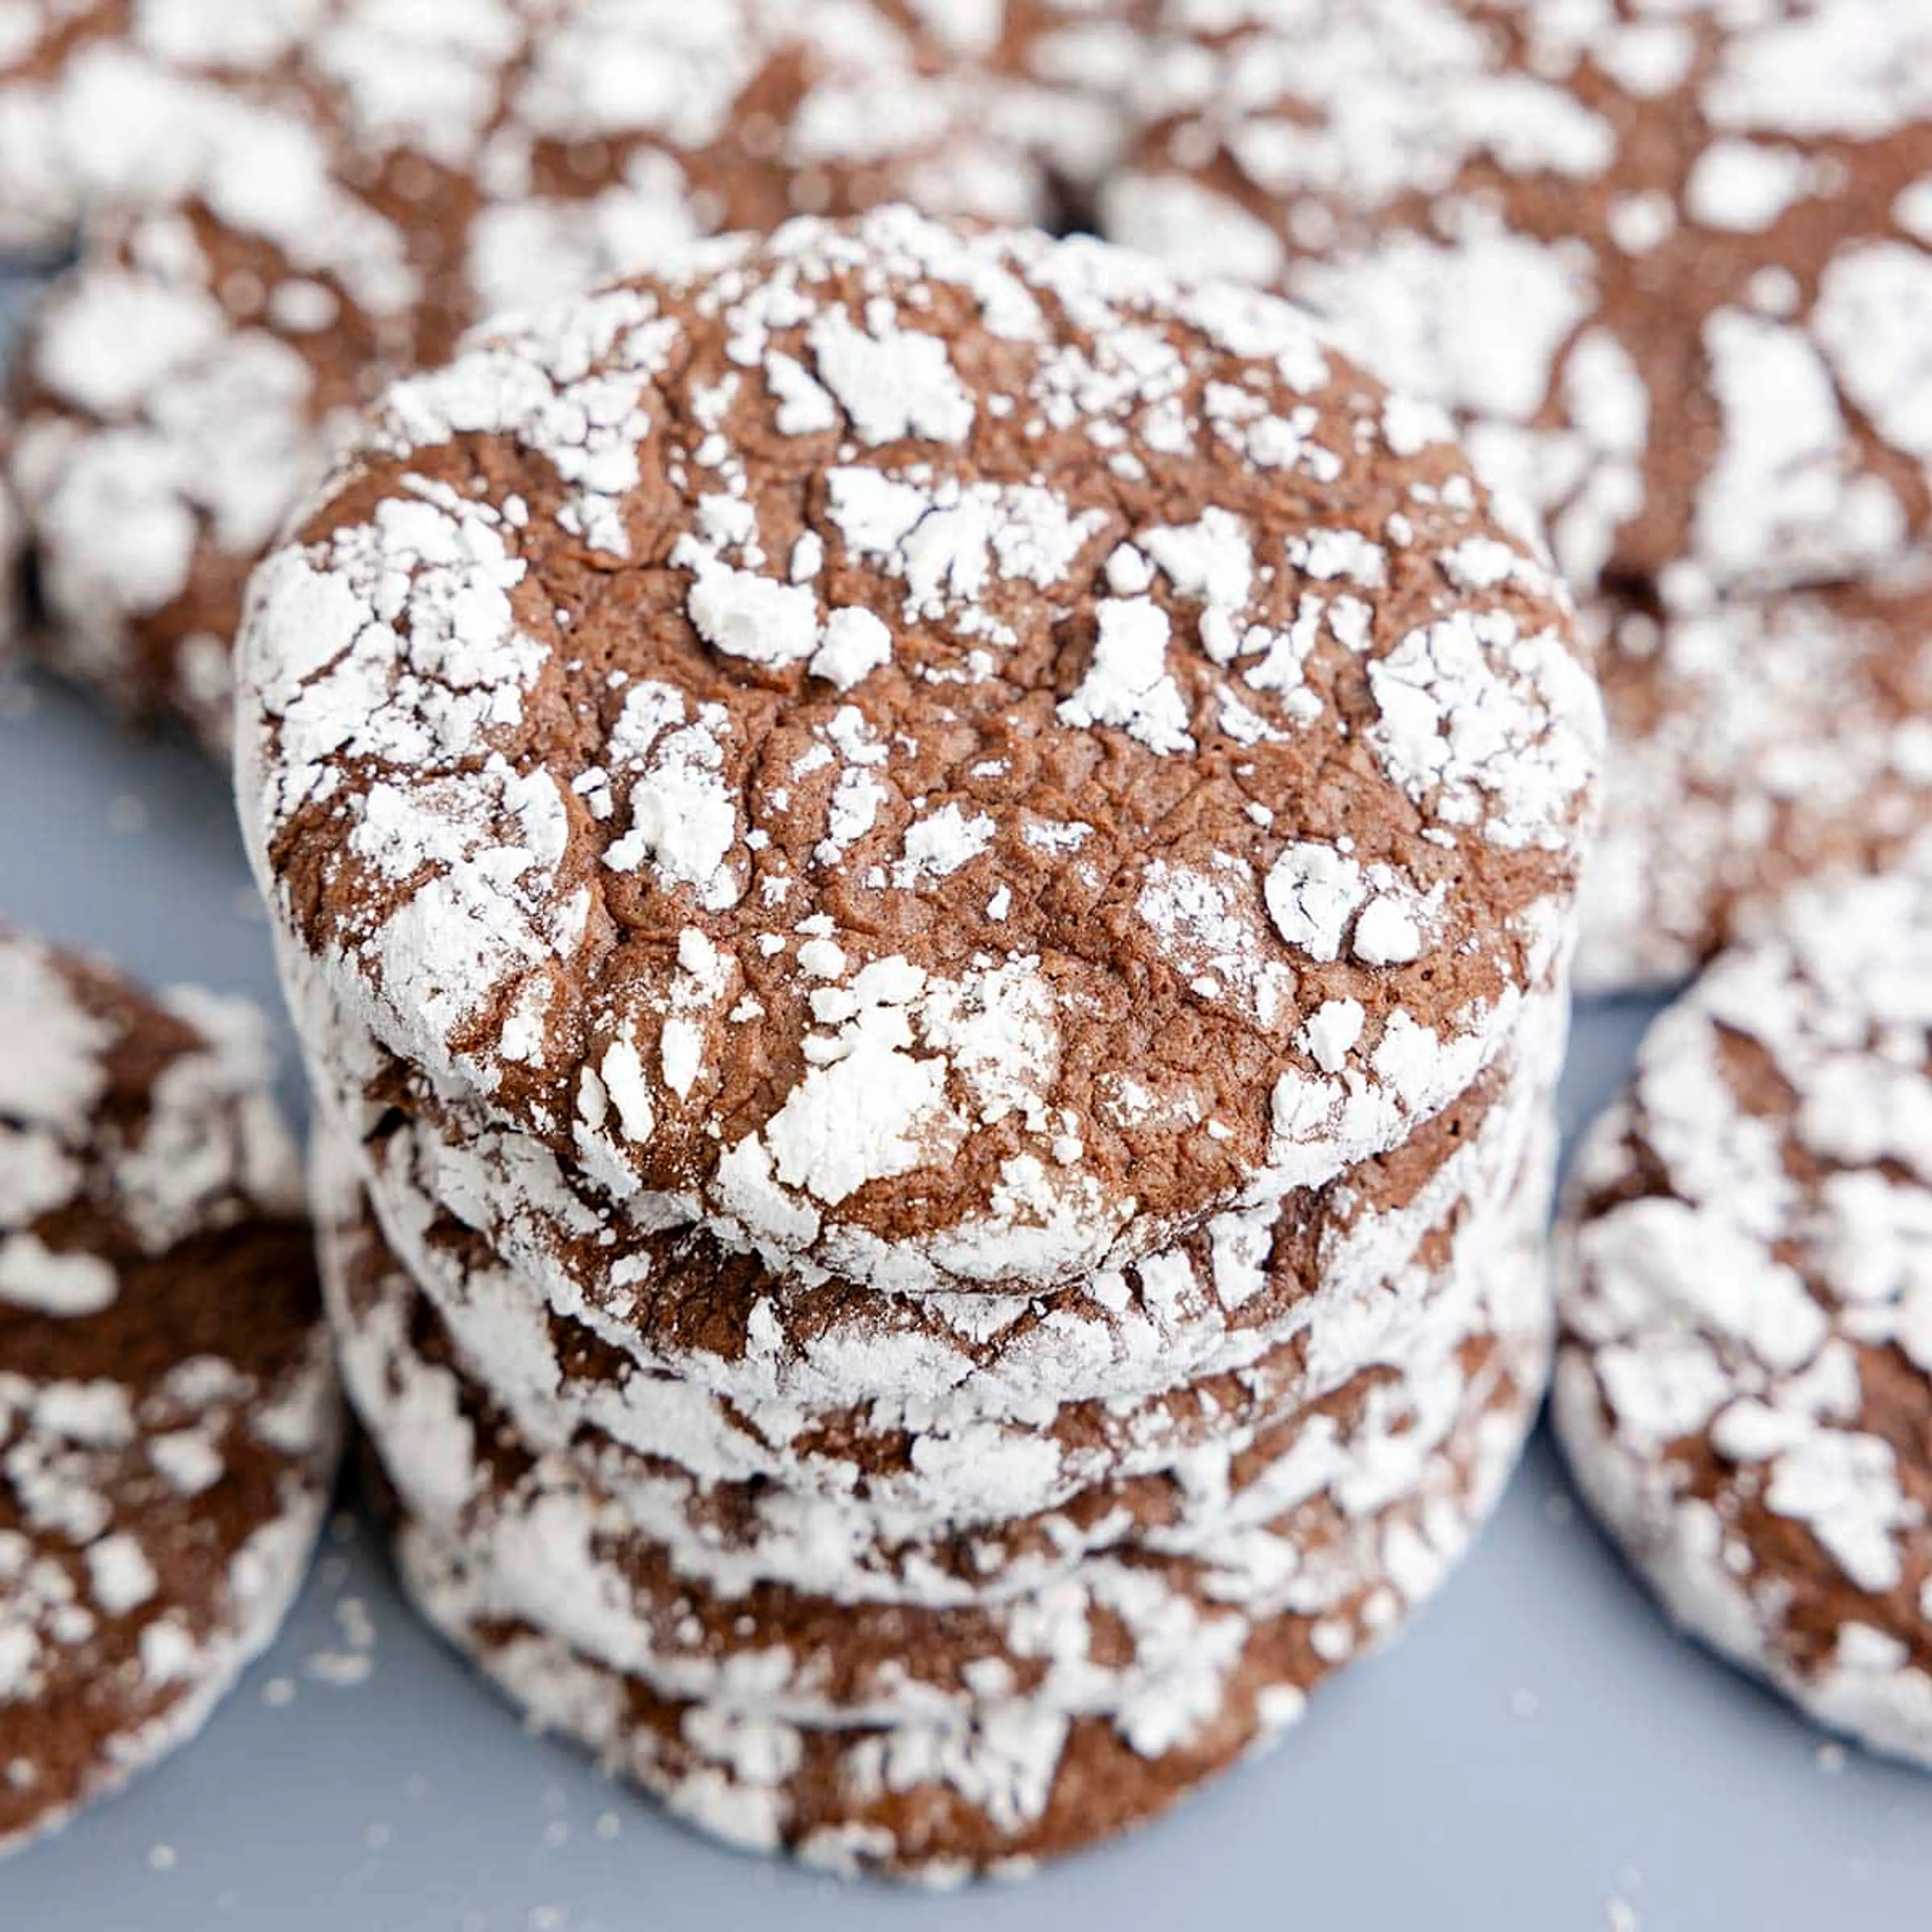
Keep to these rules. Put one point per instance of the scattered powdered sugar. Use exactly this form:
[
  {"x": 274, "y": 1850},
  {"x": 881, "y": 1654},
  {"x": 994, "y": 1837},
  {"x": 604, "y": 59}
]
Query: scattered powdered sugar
[{"x": 1127, "y": 683}]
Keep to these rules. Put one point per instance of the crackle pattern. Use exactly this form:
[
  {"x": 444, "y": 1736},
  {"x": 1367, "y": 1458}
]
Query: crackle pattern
[
  {"x": 1668, "y": 264},
  {"x": 1030, "y": 1728},
  {"x": 1762, "y": 745},
  {"x": 168, "y": 1420},
  {"x": 283, "y": 205},
  {"x": 938, "y": 1406},
  {"x": 992, "y": 1789},
  {"x": 792, "y": 735},
  {"x": 952, "y": 1503},
  {"x": 1747, "y": 1302}
]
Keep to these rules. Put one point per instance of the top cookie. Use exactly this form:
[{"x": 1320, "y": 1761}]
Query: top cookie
[
  {"x": 1575, "y": 224},
  {"x": 949, "y": 756},
  {"x": 289, "y": 206}
]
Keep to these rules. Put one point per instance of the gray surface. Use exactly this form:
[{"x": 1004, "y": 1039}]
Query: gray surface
[{"x": 1540, "y": 1754}]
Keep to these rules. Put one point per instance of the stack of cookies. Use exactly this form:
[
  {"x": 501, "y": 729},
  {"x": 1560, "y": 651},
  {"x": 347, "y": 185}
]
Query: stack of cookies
[{"x": 927, "y": 877}]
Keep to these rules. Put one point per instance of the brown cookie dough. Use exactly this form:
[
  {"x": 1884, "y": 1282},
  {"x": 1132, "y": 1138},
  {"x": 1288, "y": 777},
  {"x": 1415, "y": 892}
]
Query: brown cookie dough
[
  {"x": 1743, "y": 1385},
  {"x": 518, "y": 1245},
  {"x": 896, "y": 1503},
  {"x": 1672, "y": 270},
  {"x": 1763, "y": 744},
  {"x": 289, "y": 206},
  {"x": 1009, "y": 1778},
  {"x": 712, "y": 1601},
  {"x": 168, "y": 1422},
  {"x": 949, "y": 756}
]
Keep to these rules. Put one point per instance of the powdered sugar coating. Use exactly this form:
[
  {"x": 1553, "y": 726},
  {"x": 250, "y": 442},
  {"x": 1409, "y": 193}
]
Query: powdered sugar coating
[
  {"x": 1567, "y": 224},
  {"x": 282, "y": 216},
  {"x": 986, "y": 1486},
  {"x": 656, "y": 1339},
  {"x": 755, "y": 1647},
  {"x": 1054, "y": 1748},
  {"x": 1668, "y": 265},
  {"x": 1725, "y": 793},
  {"x": 168, "y": 1420},
  {"x": 772, "y": 947},
  {"x": 1071, "y": 65},
  {"x": 980, "y": 1527},
  {"x": 1743, "y": 1381}
]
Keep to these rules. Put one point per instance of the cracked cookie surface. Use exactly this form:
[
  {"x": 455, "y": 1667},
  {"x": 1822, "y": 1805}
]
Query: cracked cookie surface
[
  {"x": 168, "y": 1420},
  {"x": 949, "y": 757},
  {"x": 1747, "y": 1308}
]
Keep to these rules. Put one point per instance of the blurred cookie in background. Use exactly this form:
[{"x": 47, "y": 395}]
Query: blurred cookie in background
[
  {"x": 1761, "y": 743},
  {"x": 1669, "y": 267},
  {"x": 1672, "y": 269},
  {"x": 284, "y": 214}
]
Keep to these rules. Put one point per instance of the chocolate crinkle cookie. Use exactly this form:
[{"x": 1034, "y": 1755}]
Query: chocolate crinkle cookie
[
  {"x": 1748, "y": 1314},
  {"x": 1669, "y": 266},
  {"x": 949, "y": 758},
  {"x": 280, "y": 208},
  {"x": 168, "y": 1413},
  {"x": 927, "y": 877}
]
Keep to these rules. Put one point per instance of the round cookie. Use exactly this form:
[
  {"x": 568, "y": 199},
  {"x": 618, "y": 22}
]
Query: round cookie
[
  {"x": 168, "y": 1419},
  {"x": 994, "y": 1785},
  {"x": 1742, "y": 1386},
  {"x": 289, "y": 206},
  {"x": 1761, "y": 744},
  {"x": 1573, "y": 227},
  {"x": 784, "y": 734}
]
